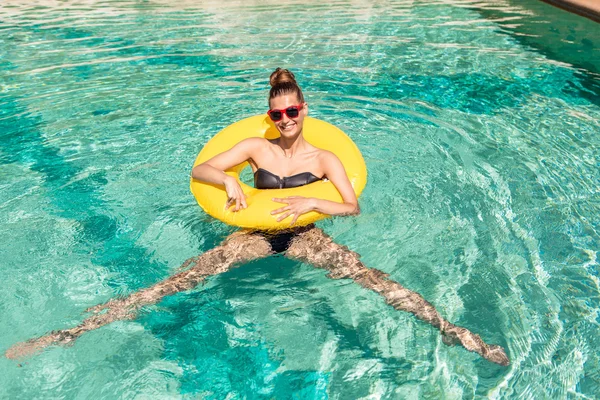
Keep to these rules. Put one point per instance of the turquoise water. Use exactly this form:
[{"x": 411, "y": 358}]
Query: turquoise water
[{"x": 479, "y": 125}]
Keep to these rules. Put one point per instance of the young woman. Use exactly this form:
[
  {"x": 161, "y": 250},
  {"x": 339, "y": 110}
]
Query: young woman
[{"x": 288, "y": 161}]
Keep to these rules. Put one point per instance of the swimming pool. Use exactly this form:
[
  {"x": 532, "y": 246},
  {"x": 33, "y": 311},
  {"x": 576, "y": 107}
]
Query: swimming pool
[{"x": 480, "y": 133}]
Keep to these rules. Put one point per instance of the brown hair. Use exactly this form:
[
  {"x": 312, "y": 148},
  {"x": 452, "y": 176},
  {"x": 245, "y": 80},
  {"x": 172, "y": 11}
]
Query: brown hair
[{"x": 282, "y": 82}]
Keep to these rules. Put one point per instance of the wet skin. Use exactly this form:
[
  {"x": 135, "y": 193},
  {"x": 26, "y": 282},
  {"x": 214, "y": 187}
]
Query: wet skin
[{"x": 312, "y": 246}]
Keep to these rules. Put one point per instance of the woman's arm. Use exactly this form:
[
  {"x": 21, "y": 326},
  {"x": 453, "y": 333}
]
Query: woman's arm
[
  {"x": 335, "y": 172},
  {"x": 212, "y": 171}
]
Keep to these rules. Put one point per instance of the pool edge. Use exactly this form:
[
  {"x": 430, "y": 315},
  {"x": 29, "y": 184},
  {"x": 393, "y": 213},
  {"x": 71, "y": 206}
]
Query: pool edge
[{"x": 586, "y": 8}]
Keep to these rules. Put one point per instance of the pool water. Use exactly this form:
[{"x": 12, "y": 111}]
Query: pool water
[{"x": 479, "y": 124}]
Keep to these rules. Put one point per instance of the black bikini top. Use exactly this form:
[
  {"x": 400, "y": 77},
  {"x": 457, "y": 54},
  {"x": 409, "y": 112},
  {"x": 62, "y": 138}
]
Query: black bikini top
[{"x": 264, "y": 179}]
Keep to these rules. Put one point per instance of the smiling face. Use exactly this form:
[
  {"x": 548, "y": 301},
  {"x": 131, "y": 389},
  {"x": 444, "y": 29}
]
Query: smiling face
[{"x": 289, "y": 128}]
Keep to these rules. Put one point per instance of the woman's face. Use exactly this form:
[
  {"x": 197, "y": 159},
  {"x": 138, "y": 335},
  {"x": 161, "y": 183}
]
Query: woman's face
[{"x": 289, "y": 128}]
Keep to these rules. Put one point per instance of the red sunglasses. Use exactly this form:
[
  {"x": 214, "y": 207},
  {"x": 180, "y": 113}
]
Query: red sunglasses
[{"x": 291, "y": 112}]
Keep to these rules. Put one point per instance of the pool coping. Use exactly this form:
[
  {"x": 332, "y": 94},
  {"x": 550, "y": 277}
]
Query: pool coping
[{"x": 586, "y": 8}]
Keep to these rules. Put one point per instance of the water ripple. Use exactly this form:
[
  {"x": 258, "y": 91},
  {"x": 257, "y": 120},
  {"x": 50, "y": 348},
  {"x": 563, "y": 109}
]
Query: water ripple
[{"x": 482, "y": 148}]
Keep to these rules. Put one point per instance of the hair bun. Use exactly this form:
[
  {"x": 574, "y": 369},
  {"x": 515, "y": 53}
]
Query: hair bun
[{"x": 280, "y": 76}]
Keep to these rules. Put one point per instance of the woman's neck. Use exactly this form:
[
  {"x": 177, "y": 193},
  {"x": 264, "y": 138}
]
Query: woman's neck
[{"x": 291, "y": 147}]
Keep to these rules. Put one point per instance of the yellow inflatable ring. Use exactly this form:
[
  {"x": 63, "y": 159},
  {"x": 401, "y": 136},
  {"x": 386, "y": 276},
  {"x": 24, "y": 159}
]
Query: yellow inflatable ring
[{"x": 212, "y": 198}]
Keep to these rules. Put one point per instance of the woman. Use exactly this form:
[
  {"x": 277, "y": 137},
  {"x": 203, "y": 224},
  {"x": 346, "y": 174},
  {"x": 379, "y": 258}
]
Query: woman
[{"x": 288, "y": 161}]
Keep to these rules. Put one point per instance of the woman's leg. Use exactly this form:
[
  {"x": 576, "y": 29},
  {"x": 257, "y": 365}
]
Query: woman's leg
[
  {"x": 238, "y": 248},
  {"x": 315, "y": 247}
]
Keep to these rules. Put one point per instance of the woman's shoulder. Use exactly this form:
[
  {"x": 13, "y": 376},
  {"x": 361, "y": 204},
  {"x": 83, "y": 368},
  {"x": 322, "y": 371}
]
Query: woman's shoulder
[
  {"x": 254, "y": 143},
  {"x": 328, "y": 161},
  {"x": 327, "y": 156}
]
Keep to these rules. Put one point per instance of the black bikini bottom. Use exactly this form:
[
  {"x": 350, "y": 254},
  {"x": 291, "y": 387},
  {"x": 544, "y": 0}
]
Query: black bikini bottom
[{"x": 280, "y": 240}]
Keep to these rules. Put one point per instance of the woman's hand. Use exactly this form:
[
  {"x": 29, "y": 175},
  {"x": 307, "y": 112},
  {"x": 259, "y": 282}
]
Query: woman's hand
[
  {"x": 235, "y": 194},
  {"x": 296, "y": 206}
]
